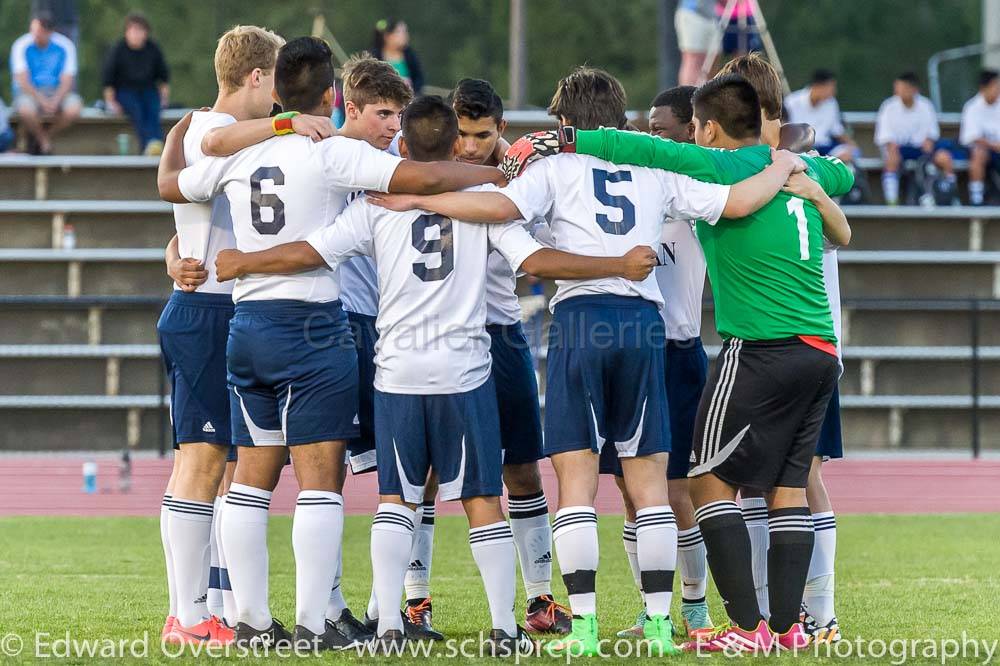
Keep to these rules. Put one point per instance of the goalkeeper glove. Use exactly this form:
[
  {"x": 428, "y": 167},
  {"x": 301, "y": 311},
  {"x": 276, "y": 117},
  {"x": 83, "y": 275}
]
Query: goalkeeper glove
[{"x": 535, "y": 146}]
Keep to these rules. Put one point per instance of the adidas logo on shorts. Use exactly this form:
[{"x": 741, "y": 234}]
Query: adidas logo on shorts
[
  {"x": 357, "y": 421},
  {"x": 208, "y": 427}
]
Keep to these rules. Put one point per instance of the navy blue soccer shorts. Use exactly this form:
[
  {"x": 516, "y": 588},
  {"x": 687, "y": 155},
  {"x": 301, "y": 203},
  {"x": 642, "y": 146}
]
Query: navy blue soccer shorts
[
  {"x": 361, "y": 450},
  {"x": 831, "y": 442},
  {"x": 193, "y": 329},
  {"x": 456, "y": 434},
  {"x": 517, "y": 394},
  {"x": 293, "y": 373},
  {"x": 686, "y": 373},
  {"x": 605, "y": 377}
]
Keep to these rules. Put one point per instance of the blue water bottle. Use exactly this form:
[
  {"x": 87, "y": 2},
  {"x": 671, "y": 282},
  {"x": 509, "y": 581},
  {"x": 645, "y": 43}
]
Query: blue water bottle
[{"x": 90, "y": 477}]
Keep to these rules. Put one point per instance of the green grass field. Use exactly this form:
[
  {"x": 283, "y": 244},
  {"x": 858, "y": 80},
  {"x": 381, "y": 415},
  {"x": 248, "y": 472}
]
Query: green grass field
[{"x": 899, "y": 577}]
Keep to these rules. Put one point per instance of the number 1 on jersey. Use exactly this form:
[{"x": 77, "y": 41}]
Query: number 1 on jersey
[{"x": 796, "y": 208}]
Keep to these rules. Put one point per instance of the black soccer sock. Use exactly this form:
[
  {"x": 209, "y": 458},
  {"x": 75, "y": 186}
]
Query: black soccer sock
[
  {"x": 792, "y": 539},
  {"x": 728, "y": 546}
]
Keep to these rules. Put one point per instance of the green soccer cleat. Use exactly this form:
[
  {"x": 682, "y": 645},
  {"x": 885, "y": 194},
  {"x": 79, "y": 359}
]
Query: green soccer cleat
[
  {"x": 580, "y": 642},
  {"x": 696, "y": 619},
  {"x": 658, "y": 633}
]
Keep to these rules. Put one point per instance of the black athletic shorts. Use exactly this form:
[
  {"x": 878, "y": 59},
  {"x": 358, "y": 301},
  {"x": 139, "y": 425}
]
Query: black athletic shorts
[{"x": 761, "y": 413}]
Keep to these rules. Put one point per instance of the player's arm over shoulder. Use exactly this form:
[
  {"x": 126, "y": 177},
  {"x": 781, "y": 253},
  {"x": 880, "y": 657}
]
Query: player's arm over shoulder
[
  {"x": 625, "y": 147},
  {"x": 351, "y": 234},
  {"x": 526, "y": 254},
  {"x": 834, "y": 176},
  {"x": 355, "y": 164}
]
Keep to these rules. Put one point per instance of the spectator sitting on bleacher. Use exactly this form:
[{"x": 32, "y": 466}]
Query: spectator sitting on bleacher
[
  {"x": 907, "y": 129},
  {"x": 136, "y": 82},
  {"x": 816, "y": 105},
  {"x": 980, "y": 133},
  {"x": 43, "y": 69},
  {"x": 6, "y": 133}
]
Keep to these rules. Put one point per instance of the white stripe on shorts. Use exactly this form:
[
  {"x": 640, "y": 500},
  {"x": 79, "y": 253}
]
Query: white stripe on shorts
[{"x": 726, "y": 376}]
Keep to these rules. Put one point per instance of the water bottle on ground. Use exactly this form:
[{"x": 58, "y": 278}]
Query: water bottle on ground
[{"x": 90, "y": 477}]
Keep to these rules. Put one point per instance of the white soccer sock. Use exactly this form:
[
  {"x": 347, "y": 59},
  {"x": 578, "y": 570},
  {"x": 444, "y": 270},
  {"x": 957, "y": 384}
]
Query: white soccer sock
[
  {"x": 819, "y": 592},
  {"x": 493, "y": 549},
  {"x": 336, "y": 604},
  {"x": 691, "y": 556},
  {"x": 977, "y": 189},
  {"x": 631, "y": 550},
  {"x": 244, "y": 533},
  {"x": 317, "y": 528},
  {"x": 755, "y": 516},
  {"x": 529, "y": 522},
  {"x": 656, "y": 552},
  {"x": 372, "y": 611},
  {"x": 418, "y": 572},
  {"x": 890, "y": 187},
  {"x": 190, "y": 527},
  {"x": 167, "y": 555},
  {"x": 392, "y": 539},
  {"x": 214, "y": 601},
  {"x": 575, "y": 534},
  {"x": 229, "y": 613}
]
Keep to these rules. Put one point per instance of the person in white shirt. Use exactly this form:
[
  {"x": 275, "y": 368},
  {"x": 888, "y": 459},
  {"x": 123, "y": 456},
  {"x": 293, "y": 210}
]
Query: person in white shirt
[
  {"x": 980, "y": 133},
  {"x": 436, "y": 401},
  {"x": 906, "y": 129},
  {"x": 816, "y": 105},
  {"x": 193, "y": 330},
  {"x": 291, "y": 358},
  {"x": 606, "y": 382},
  {"x": 480, "y": 133}
]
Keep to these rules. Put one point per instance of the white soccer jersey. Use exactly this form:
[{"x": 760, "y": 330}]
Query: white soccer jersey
[
  {"x": 281, "y": 191},
  {"x": 824, "y": 117},
  {"x": 432, "y": 289},
  {"x": 681, "y": 278},
  {"x": 358, "y": 277},
  {"x": 359, "y": 281},
  {"x": 600, "y": 209},
  {"x": 980, "y": 121},
  {"x": 831, "y": 277},
  {"x": 906, "y": 126},
  {"x": 502, "y": 305},
  {"x": 204, "y": 228}
]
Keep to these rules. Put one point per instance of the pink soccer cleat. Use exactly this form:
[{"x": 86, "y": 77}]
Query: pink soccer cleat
[{"x": 732, "y": 640}]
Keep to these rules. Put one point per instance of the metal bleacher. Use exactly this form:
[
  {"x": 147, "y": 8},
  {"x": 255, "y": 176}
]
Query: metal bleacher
[{"x": 78, "y": 346}]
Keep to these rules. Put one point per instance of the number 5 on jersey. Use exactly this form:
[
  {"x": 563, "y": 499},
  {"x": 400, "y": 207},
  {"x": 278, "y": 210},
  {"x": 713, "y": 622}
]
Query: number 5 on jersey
[{"x": 622, "y": 203}]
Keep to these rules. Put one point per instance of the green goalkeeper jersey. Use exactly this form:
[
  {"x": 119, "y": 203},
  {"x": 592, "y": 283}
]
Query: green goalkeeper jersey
[{"x": 766, "y": 269}]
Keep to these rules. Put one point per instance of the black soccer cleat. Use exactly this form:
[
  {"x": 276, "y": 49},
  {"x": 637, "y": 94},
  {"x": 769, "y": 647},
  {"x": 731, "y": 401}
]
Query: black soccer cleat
[
  {"x": 391, "y": 643},
  {"x": 370, "y": 623},
  {"x": 503, "y": 645},
  {"x": 352, "y": 628},
  {"x": 330, "y": 639},
  {"x": 417, "y": 621},
  {"x": 274, "y": 636}
]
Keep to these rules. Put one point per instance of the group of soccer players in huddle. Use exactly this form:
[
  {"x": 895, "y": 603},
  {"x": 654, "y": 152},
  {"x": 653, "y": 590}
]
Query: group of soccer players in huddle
[{"x": 376, "y": 326}]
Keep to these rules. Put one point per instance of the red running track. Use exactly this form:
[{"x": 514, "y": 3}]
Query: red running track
[{"x": 51, "y": 485}]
